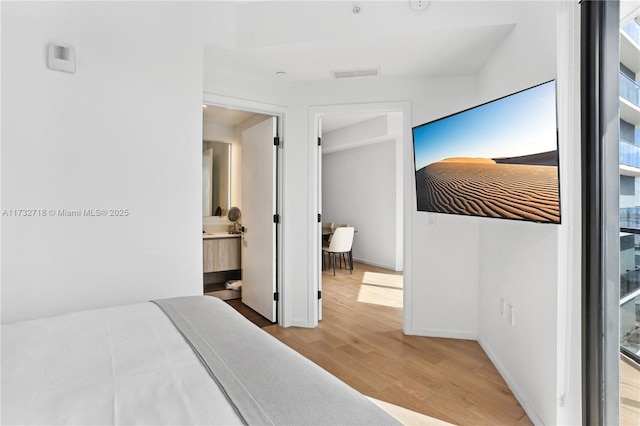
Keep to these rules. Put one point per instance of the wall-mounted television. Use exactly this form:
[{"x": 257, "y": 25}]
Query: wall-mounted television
[{"x": 498, "y": 159}]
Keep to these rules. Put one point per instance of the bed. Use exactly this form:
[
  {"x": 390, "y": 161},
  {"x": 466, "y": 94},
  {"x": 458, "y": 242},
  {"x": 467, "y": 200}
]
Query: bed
[{"x": 180, "y": 361}]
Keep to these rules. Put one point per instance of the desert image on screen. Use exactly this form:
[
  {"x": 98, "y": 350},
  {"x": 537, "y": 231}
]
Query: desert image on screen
[
  {"x": 505, "y": 188},
  {"x": 499, "y": 159}
]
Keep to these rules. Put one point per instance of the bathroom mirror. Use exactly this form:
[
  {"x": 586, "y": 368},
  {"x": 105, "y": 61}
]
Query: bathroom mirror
[{"x": 216, "y": 178}]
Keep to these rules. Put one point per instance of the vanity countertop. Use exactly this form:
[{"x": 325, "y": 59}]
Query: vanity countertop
[{"x": 209, "y": 236}]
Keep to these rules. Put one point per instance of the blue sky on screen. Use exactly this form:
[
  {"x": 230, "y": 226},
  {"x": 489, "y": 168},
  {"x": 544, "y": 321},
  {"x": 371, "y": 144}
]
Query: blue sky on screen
[{"x": 520, "y": 124}]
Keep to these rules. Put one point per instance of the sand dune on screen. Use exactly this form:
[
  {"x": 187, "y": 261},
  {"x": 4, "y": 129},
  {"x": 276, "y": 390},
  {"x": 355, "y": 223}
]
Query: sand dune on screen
[
  {"x": 484, "y": 188},
  {"x": 476, "y": 160}
]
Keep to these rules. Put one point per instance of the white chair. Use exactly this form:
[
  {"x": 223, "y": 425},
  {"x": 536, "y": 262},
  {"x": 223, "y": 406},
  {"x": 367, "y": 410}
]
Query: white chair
[
  {"x": 342, "y": 256},
  {"x": 341, "y": 242}
]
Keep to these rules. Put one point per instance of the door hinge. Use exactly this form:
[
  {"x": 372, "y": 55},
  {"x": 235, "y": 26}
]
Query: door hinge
[
  {"x": 276, "y": 296},
  {"x": 319, "y": 141},
  {"x": 277, "y": 141},
  {"x": 276, "y": 218},
  {"x": 319, "y": 218},
  {"x": 319, "y": 294}
]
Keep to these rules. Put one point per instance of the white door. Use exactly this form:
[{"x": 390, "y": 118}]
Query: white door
[{"x": 258, "y": 210}]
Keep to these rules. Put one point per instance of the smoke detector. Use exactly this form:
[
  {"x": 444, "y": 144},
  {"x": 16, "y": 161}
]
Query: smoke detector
[{"x": 419, "y": 4}]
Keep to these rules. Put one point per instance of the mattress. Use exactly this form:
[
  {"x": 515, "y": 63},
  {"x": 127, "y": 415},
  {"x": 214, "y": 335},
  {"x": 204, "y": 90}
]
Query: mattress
[
  {"x": 131, "y": 365},
  {"x": 120, "y": 365}
]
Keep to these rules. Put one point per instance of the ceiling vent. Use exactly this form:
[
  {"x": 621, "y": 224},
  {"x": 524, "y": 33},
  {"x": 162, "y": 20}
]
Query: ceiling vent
[{"x": 363, "y": 72}]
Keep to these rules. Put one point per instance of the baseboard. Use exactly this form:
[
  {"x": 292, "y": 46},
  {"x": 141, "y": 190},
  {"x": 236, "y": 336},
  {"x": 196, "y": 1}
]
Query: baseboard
[
  {"x": 301, "y": 324},
  {"x": 447, "y": 334},
  {"x": 379, "y": 265},
  {"x": 515, "y": 389}
]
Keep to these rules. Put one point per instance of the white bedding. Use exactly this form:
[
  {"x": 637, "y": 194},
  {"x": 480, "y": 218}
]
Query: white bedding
[{"x": 121, "y": 365}]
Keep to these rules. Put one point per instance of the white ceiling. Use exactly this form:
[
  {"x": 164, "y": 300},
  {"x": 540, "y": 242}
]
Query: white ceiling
[
  {"x": 224, "y": 116},
  {"x": 309, "y": 39},
  {"x": 340, "y": 121},
  {"x": 233, "y": 117}
]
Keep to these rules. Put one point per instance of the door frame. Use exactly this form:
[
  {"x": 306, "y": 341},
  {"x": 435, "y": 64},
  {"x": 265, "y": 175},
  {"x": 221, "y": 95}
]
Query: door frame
[
  {"x": 404, "y": 155},
  {"x": 280, "y": 113}
]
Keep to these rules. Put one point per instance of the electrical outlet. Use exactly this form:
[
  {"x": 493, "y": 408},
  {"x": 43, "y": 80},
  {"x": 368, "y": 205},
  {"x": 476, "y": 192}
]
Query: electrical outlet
[
  {"x": 562, "y": 401},
  {"x": 501, "y": 306}
]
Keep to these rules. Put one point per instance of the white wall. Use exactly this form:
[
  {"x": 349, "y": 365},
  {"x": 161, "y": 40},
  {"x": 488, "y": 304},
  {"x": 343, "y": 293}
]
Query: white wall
[
  {"x": 218, "y": 132},
  {"x": 535, "y": 268},
  {"x": 518, "y": 264},
  {"x": 442, "y": 300},
  {"x": 443, "y": 248},
  {"x": 444, "y": 294},
  {"x": 378, "y": 129},
  {"x": 124, "y": 132},
  {"x": 358, "y": 188},
  {"x": 379, "y": 240}
]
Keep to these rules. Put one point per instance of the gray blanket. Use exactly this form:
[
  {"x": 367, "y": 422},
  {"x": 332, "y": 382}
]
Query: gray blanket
[{"x": 265, "y": 380}]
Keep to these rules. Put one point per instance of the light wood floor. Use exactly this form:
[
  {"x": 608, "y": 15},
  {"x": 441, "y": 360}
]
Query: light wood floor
[
  {"x": 362, "y": 343},
  {"x": 629, "y": 392}
]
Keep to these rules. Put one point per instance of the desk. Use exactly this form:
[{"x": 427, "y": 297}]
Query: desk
[
  {"x": 326, "y": 237},
  {"x": 327, "y": 233}
]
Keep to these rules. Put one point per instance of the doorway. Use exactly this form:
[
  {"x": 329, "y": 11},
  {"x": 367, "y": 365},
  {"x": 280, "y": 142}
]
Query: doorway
[
  {"x": 252, "y": 133},
  {"x": 360, "y": 183}
]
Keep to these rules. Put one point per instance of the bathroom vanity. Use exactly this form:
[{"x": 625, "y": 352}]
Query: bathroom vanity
[
  {"x": 221, "y": 252},
  {"x": 221, "y": 262}
]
